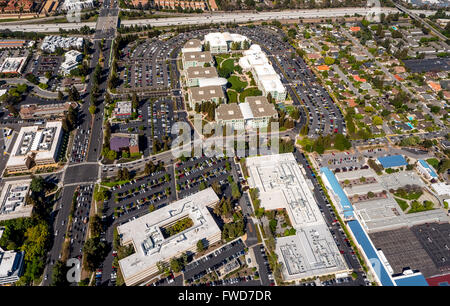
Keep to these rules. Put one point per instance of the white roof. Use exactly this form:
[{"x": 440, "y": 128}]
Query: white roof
[
  {"x": 246, "y": 110},
  {"x": 272, "y": 84},
  {"x": 282, "y": 184},
  {"x": 203, "y": 82},
  {"x": 441, "y": 189},
  {"x": 36, "y": 133},
  {"x": 219, "y": 39},
  {"x": 147, "y": 238}
]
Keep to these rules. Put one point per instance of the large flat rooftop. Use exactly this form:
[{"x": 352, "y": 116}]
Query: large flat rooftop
[
  {"x": 13, "y": 199},
  {"x": 149, "y": 242},
  {"x": 403, "y": 250},
  {"x": 42, "y": 142},
  {"x": 282, "y": 185}
]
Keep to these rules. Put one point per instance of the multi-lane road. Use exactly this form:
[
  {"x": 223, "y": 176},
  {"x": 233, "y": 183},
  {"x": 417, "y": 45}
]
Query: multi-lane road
[{"x": 202, "y": 19}]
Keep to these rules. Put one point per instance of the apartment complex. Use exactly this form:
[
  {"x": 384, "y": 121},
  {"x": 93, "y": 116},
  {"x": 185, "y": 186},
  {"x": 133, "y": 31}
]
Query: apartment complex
[
  {"x": 51, "y": 42},
  {"x": 152, "y": 245},
  {"x": 35, "y": 146}
]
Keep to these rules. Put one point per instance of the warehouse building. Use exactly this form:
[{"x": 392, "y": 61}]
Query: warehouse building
[
  {"x": 35, "y": 146},
  {"x": 312, "y": 251},
  {"x": 151, "y": 245}
]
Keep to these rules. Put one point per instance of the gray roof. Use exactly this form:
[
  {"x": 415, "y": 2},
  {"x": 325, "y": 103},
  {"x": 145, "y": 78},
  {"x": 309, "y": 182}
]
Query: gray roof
[
  {"x": 201, "y": 72},
  {"x": 202, "y": 57},
  {"x": 229, "y": 112},
  {"x": 206, "y": 93}
]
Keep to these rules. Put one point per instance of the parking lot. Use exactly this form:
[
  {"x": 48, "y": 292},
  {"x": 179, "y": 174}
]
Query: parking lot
[
  {"x": 213, "y": 261},
  {"x": 204, "y": 170},
  {"x": 145, "y": 66},
  {"x": 136, "y": 196},
  {"x": 265, "y": 273}
]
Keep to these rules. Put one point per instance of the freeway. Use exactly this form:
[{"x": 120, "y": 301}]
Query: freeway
[
  {"x": 203, "y": 19},
  {"x": 414, "y": 15},
  {"x": 258, "y": 16}
]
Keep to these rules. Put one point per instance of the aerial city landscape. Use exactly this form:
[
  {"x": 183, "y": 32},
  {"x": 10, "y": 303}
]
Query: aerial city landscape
[{"x": 219, "y": 143}]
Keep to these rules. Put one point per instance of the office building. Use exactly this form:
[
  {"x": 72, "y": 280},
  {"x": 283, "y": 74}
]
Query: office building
[
  {"x": 152, "y": 244},
  {"x": 35, "y": 146}
]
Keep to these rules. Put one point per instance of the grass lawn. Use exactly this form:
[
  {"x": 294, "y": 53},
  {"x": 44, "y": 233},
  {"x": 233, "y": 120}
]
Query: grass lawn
[
  {"x": 402, "y": 203},
  {"x": 232, "y": 96},
  {"x": 249, "y": 92},
  {"x": 408, "y": 196},
  {"x": 112, "y": 184},
  {"x": 236, "y": 83},
  {"x": 221, "y": 58},
  {"x": 228, "y": 64},
  {"x": 433, "y": 162}
]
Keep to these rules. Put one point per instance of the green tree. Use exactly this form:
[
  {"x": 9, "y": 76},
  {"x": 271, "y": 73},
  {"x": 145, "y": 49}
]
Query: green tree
[
  {"x": 377, "y": 120},
  {"x": 175, "y": 265},
  {"x": 329, "y": 60},
  {"x": 92, "y": 109},
  {"x": 59, "y": 274},
  {"x": 200, "y": 246}
]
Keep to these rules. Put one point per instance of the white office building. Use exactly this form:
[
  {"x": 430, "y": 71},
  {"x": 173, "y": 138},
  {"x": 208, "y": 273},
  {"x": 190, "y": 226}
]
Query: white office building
[
  {"x": 221, "y": 42},
  {"x": 51, "y": 42},
  {"x": 35, "y": 146},
  {"x": 282, "y": 184},
  {"x": 151, "y": 245},
  {"x": 11, "y": 265},
  {"x": 77, "y": 5},
  {"x": 268, "y": 81}
]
